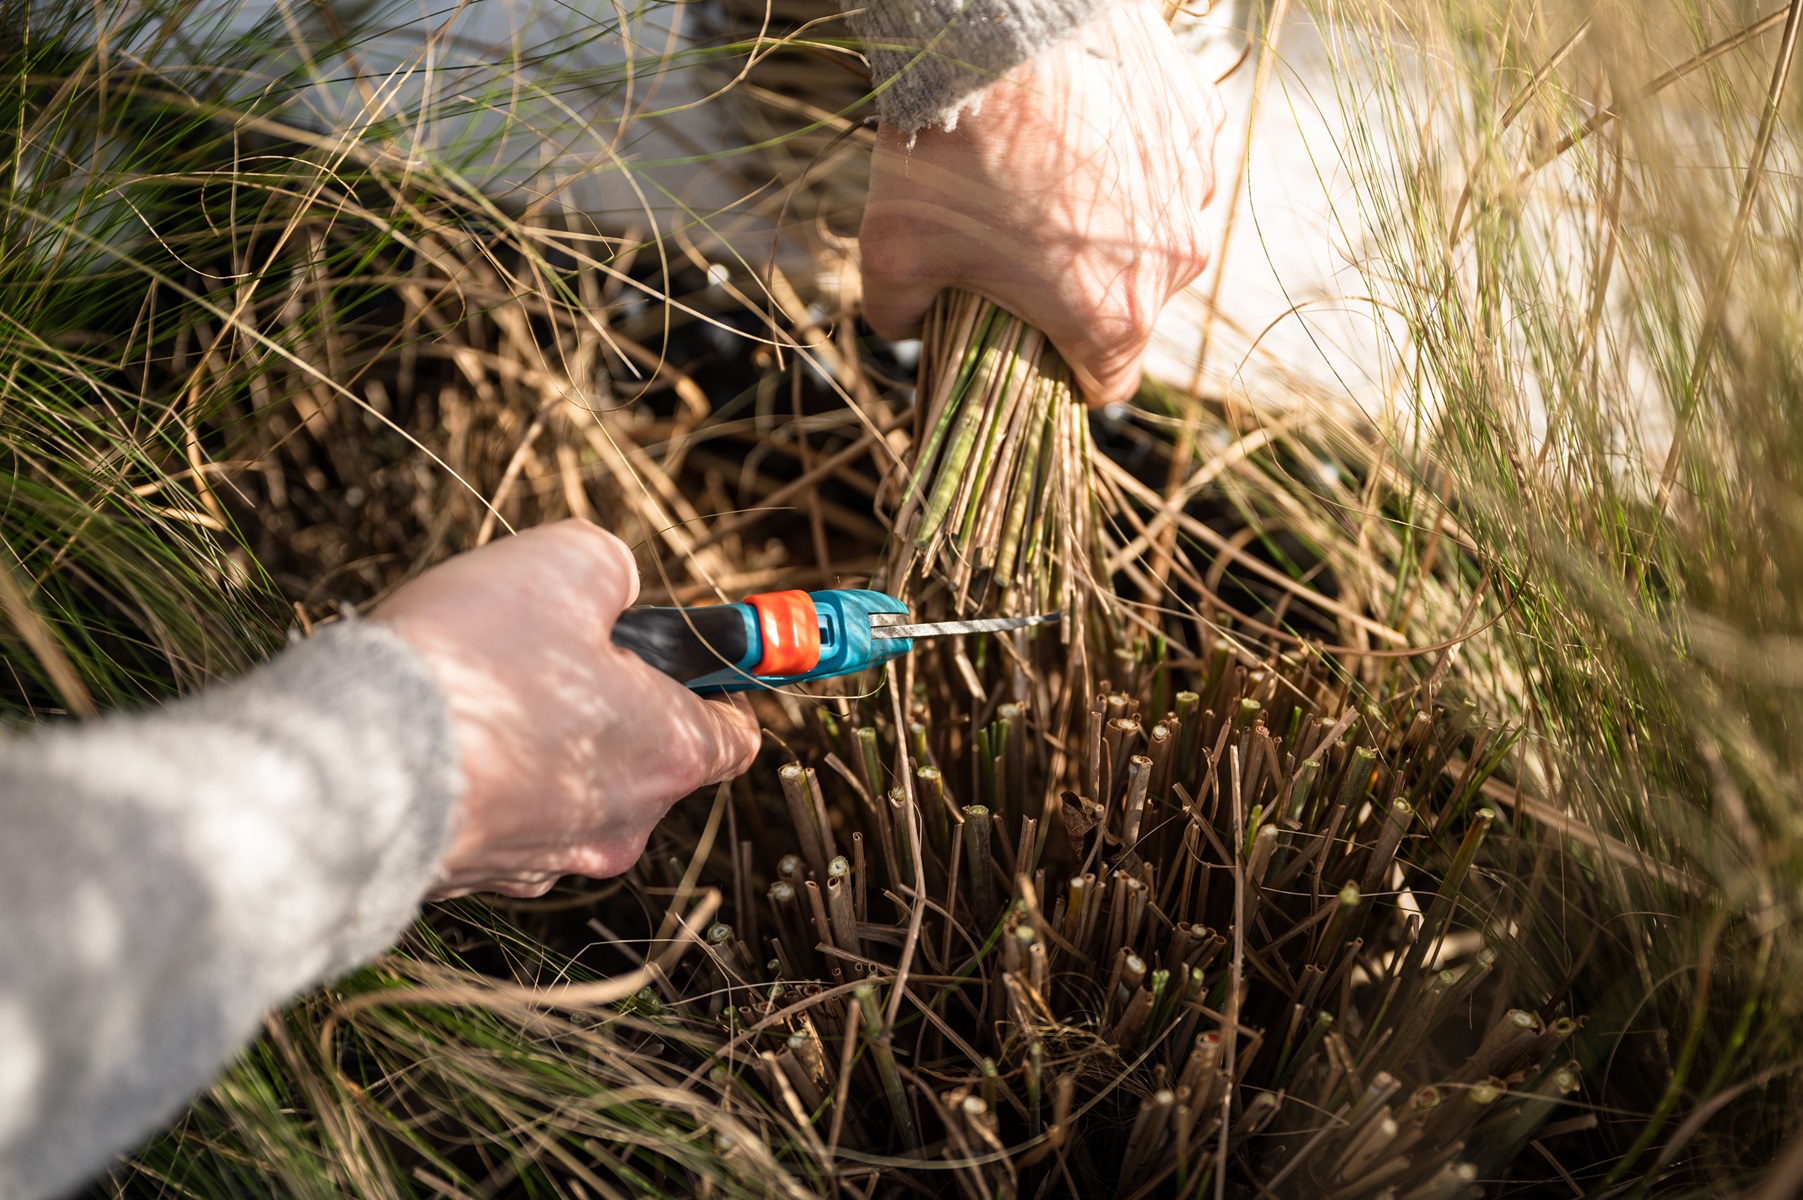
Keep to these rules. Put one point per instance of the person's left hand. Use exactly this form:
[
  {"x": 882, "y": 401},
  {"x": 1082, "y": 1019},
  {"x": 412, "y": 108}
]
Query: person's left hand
[
  {"x": 571, "y": 748},
  {"x": 1072, "y": 196}
]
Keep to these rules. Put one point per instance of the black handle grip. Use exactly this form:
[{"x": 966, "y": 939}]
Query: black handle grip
[{"x": 684, "y": 643}]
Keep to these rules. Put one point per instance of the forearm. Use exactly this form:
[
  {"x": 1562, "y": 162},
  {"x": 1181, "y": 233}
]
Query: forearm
[
  {"x": 166, "y": 878},
  {"x": 932, "y": 57}
]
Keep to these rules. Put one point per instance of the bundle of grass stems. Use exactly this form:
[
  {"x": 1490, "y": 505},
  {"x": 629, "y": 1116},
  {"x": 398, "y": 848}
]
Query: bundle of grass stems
[{"x": 1000, "y": 513}]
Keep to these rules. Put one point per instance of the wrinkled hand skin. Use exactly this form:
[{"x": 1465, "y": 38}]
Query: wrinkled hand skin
[
  {"x": 1072, "y": 196},
  {"x": 571, "y": 748}
]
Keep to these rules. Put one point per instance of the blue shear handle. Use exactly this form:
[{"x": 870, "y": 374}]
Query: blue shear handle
[{"x": 846, "y": 646}]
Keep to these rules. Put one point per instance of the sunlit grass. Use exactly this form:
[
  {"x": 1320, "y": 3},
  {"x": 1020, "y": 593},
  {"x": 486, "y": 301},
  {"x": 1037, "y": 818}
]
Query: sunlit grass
[
  {"x": 238, "y": 284},
  {"x": 1588, "y": 223}
]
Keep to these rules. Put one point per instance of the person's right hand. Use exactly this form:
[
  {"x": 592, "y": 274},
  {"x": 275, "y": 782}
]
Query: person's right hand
[{"x": 571, "y": 748}]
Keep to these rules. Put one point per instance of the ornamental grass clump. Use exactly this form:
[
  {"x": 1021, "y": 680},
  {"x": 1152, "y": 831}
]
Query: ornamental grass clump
[{"x": 1242, "y": 933}]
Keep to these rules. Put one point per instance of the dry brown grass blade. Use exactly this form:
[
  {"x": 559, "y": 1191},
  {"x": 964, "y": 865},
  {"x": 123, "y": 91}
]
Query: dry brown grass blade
[
  {"x": 1237, "y": 554},
  {"x": 29, "y": 625},
  {"x": 494, "y": 994}
]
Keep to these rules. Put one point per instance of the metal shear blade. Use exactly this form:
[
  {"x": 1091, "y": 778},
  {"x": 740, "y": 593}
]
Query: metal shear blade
[{"x": 885, "y": 625}]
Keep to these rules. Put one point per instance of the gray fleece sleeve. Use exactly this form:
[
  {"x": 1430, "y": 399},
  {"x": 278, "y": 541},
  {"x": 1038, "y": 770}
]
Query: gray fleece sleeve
[
  {"x": 934, "y": 56},
  {"x": 166, "y": 878}
]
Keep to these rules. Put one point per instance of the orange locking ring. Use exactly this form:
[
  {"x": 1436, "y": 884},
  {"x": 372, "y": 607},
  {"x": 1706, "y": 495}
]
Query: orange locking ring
[{"x": 791, "y": 632}]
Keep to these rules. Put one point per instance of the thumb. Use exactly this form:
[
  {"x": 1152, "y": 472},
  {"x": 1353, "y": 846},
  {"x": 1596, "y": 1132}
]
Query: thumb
[
  {"x": 1108, "y": 378},
  {"x": 894, "y": 307},
  {"x": 729, "y": 737}
]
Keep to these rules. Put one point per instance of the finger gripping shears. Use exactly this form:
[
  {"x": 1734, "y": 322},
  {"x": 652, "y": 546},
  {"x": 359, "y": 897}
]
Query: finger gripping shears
[{"x": 774, "y": 639}]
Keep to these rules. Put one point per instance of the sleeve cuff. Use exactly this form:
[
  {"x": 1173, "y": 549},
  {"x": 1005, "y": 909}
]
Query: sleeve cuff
[{"x": 933, "y": 58}]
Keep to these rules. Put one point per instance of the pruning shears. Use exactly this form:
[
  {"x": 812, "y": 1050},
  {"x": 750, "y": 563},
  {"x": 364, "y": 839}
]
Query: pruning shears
[{"x": 774, "y": 639}]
